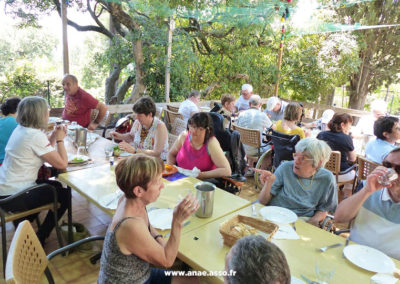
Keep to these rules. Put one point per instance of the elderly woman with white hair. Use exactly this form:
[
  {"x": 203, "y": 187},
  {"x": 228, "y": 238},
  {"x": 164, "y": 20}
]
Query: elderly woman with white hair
[
  {"x": 302, "y": 185},
  {"x": 26, "y": 151}
]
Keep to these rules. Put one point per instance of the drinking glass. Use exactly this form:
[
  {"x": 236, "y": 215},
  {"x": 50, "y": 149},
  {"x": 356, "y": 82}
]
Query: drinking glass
[
  {"x": 324, "y": 271},
  {"x": 108, "y": 151},
  {"x": 81, "y": 151}
]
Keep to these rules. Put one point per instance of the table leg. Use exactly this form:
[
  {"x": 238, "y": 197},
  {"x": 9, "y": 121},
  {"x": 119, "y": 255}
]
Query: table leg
[{"x": 70, "y": 235}]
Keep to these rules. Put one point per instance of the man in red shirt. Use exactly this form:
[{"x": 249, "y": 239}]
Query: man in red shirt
[{"x": 78, "y": 104}]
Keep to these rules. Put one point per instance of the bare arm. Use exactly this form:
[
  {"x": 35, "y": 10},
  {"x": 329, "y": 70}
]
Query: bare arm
[
  {"x": 220, "y": 161},
  {"x": 133, "y": 236},
  {"x": 348, "y": 208},
  {"x": 352, "y": 156},
  {"x": 57, "y": 158},
  {"x": 173, "y": 152},
  {"x": 267, "y": 179},
  {"x": 161, "y": 138},
  {"x": 102, "y": 108}
]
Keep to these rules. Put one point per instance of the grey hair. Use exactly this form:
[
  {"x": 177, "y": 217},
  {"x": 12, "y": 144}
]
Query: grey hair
[
  {"x": 317, "y": 149},
  {"x": 255, "y": 100},
  {"x": 256, "y": 260},
  {"x": 70, "y": 76},
  {"x": 32, "y": 112},
  {"x": 194, "y": 93}
]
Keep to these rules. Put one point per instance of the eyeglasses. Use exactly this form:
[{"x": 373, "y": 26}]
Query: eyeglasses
[
  {"x": 301, "y": 157},
  {"x": 389, "y": 165}
]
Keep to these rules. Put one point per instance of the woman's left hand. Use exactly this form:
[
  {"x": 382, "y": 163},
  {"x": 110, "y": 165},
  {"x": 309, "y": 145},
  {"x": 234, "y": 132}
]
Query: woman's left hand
[
  {"x": 185, "y": 208},
  {"x": 124, "y": 146}
]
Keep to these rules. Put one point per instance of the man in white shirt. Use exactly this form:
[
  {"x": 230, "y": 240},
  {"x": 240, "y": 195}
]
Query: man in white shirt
[
  {"x": 376, "y": 210},
  {"x": 254, "y": 118},
  {"x": 243, "y": 102},
  {"x": 275, "y": 108},
  {"x": 189, "y": 106}
]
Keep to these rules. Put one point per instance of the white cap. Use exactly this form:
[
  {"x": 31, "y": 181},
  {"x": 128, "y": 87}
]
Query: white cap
[
  {"x": 327, "y": 115},
  {"x": 271, "y": 103},
  {"x": 247, "y": 87}
]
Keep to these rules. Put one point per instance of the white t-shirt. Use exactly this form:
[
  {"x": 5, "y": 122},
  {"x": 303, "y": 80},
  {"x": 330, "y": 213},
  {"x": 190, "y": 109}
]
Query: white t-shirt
[
  {"x": 242, "y": 104},
  {"x": 22, "y": 161},
  {"x": 186, "y": 108}
]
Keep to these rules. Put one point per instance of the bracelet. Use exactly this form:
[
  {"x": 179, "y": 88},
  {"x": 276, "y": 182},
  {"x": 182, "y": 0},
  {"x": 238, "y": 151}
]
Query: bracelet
[
  {"x": 158, "y": 236},
  {"x": 58, "y": 141}
]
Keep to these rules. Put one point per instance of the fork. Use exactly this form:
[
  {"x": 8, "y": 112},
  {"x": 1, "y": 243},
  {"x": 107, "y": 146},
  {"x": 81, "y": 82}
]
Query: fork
[{"x": 328, "y": 247}]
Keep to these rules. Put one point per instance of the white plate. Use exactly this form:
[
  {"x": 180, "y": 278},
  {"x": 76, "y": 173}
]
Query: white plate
[
  {"x": 71, "y": 159},
  {"x": 125, "y": 154},
  {"x": 161, "y": 218},
  {"x": 278, "y": 214},
  {"x": 369, "y": 258},
  {"x": 294, "y": 280}
]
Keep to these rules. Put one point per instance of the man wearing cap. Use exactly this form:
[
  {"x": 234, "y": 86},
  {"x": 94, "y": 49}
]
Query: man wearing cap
[
  {"x": 243, "y": 102},
  {"x": 78, "y": 104},
  {"x": 376, "y": 210},
  {"x": 275, "y": 108}
]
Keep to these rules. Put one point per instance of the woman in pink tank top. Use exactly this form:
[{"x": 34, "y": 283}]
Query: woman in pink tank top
[{"x": 198, "y": 147}]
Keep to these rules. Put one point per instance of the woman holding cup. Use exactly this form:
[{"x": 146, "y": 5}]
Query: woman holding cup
[{"x": 131, "y": 243}]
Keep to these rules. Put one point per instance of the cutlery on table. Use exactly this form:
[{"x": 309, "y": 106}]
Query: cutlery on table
[
  {"x": 308, "y": 280},
  {"x": 253, "y": 210},
  {"x": 345, "y": 245},
  {"x": 328, "y": 247}
]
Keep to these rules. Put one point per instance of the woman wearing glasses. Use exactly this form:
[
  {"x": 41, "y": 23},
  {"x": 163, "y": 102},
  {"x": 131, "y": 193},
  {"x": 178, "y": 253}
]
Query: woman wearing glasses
[
  {"x": 375, "y": 210},
  {"x": 302, "y": 185},
  {"x": 198, "y": 147}
]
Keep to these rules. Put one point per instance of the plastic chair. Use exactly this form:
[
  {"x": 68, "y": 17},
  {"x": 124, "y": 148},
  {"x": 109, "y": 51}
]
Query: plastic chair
[
  {"x": 171, "y": 140},
  {"x": 172, "y": 108},
  {"x": 27, "y": 261},
  {"x": 333, "y": 165},
  {"x": 8, "y": 217}
]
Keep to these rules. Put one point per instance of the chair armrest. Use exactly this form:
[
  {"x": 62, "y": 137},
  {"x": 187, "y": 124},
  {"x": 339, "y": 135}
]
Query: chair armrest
[
  {"x": 73, "y": 245},
  {"x": 35, "y": 187},
  {"x": 353, "y": 167}
]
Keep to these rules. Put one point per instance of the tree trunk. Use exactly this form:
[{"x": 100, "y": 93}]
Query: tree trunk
[
  {"x": 140, "y": 87},
  {"x": 111, "y": 82},
  {"x": 120, "y": 93},
  {"x": 359, "y": 83}
]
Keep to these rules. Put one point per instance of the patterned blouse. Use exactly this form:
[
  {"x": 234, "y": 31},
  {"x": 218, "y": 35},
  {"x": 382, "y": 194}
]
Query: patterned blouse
[{"x": 145, "y": 138}]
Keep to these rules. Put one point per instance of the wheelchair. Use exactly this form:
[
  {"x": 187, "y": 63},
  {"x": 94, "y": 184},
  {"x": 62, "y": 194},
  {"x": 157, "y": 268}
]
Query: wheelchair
[{"x": 282, "y": 149}]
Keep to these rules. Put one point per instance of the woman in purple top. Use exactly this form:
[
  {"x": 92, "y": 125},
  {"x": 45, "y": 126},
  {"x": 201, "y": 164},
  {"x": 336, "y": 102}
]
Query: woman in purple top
[{"x": 198, "y": 147}]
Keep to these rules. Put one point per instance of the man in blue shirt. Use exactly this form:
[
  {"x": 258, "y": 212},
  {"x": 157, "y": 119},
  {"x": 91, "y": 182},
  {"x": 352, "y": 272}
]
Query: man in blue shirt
[
  {"x": 275, "y": 108},
  {"x": 387, "y": 132}
]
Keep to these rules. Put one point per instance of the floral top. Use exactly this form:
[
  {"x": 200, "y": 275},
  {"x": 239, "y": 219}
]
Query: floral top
[{"x": 145, "y": 138}]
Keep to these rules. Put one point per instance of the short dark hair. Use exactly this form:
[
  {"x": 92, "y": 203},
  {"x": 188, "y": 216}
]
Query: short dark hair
[
  {"x": 384, "y": 124},
  {"x": 194, "y": 93},
  {"x": 137, "y": 170},
  {"x": 145, "y": 105},
  {"x": 336, "y": 121},
  {"x": 256, "y": 260},
  {"x": 10, "y": 105},
  {"x": 202, "y": 119}
]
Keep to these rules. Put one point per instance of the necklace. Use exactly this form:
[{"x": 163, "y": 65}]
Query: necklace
[{"x": 308, "y": 186}]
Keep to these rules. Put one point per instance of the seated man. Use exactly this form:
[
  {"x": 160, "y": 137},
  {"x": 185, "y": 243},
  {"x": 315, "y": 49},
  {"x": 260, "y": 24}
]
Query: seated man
[
  {"x": 254, "y": 118},
  {"x": 275, "y": 108},
  {"x": 79, "y": 104},
  {"x": 376, "y": 210},
  {"x": 387, "y": 132},
  {"x": 302, "y": 185},
  {"x": 255, "y": 260},
  {"x": 243, "y": 102},
  {"x": 189, "y": 106}
]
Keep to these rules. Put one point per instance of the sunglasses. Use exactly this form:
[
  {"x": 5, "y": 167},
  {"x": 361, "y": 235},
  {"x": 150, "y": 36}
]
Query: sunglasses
[{"x": 389, "y": 165}]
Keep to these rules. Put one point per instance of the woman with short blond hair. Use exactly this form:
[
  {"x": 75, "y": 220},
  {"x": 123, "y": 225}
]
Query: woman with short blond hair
[{"x": 288, "y": 125}]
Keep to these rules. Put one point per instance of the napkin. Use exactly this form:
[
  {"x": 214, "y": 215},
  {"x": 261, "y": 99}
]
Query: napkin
[
  {"x": 110, "y": 201},
  {"x": 190, "y": 173},
  {"x": 161, "y": 218},
  {"x": 286, "y": 232},
  {"x": 383, "y": 278}
]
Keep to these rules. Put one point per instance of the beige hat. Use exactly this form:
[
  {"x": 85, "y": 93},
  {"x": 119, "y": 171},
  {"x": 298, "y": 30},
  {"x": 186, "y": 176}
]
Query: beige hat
[{"x": 271, "y": 103}]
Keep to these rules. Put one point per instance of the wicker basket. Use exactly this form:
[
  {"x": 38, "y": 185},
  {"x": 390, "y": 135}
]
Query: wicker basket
[{"x": 231, "y": 236}]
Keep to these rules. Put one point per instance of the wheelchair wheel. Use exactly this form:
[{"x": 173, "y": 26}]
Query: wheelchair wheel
[{"x": 264, "y": 163}]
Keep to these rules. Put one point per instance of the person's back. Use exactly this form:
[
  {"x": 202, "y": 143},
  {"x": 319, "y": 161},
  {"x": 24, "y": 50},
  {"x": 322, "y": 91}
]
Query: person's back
[
  {"x": 280, "y": 127},
  {"x": 7, "y": 123}
]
